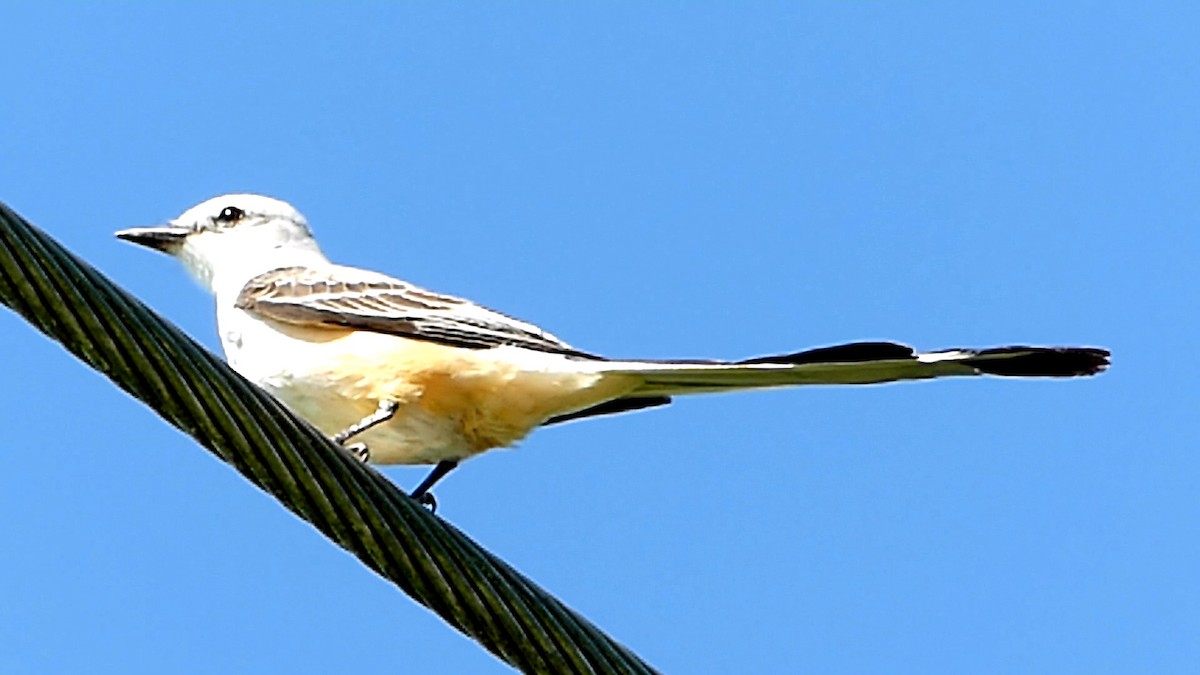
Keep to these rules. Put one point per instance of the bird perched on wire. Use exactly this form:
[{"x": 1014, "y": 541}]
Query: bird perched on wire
[{"x": 420, "y": 377}]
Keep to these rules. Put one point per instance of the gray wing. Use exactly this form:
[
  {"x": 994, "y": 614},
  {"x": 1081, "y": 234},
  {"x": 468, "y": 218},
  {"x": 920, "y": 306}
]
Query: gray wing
[{"x": 364, "y": 300}]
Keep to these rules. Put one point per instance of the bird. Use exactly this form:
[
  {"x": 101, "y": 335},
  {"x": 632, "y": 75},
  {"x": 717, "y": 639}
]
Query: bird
[{"x": 420, "y": 377}]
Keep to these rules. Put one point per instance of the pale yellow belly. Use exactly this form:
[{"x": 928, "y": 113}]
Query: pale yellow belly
[{"x": 453, "y": 402}]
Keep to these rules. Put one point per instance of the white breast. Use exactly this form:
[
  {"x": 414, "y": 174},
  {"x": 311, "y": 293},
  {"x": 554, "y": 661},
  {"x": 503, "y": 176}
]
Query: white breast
[{"x": 302, "y": 373}]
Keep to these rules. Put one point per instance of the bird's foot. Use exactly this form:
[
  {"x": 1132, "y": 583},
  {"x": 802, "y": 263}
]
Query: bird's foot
[
  {"x": 358, "y": 451},
  {"x": 428, "y": 501}
]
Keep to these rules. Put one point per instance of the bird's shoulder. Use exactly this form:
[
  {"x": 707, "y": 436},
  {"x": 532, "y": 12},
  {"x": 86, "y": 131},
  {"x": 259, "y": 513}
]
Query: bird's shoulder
[{"x": 335, "y": 284}]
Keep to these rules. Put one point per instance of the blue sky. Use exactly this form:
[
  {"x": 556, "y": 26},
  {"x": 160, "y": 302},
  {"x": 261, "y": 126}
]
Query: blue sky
[{"x": 709, "y": 180}]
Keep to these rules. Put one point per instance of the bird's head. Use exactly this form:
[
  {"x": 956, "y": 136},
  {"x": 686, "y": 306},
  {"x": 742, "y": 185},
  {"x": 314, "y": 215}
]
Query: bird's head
[{"x": 236, "y": 235}]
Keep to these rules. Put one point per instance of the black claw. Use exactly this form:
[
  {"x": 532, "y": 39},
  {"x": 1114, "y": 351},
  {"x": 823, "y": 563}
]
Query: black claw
[
  {"x": 359, "y": 451},
  {"x": 428, "y": 501},
  {"x": 421, "y": 493}
]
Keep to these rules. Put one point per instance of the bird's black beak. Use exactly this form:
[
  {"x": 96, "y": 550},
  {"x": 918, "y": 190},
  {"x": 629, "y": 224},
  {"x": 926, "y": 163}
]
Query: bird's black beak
[{"x": 166, "y": 238}]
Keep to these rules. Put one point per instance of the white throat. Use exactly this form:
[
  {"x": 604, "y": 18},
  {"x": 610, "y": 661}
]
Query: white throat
[{"x": 224, "y": 270}]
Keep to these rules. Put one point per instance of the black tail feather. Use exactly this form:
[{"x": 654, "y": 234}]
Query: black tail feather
[
  {"x": 1014, "y": 361},
  {"x": 855, "y": 352},
  {"x": 1040, "y": 361},
  {"x": 619, "y": 405}
]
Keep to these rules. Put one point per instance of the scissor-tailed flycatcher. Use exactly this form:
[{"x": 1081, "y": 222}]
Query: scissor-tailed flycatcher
[{"x": 426, "y": 378}]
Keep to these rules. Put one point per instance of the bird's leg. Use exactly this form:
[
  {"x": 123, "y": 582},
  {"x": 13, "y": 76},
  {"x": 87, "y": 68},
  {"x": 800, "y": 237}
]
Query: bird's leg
[
  {"x": 385, "y": 412},
  {"x": 421, "y": 494}
]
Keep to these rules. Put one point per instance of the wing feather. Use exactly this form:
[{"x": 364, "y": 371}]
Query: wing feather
[{"x": 354, "y": 298}]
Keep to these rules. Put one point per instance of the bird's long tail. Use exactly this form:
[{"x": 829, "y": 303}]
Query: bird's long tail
[{"x": 856, "y": 363}]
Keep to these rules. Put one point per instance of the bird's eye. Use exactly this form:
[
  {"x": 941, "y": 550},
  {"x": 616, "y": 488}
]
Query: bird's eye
[{"x": 230, "y": 215}]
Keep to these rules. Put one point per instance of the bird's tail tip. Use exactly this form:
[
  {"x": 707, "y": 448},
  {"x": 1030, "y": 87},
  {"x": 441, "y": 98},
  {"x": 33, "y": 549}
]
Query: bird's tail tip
[{"x": 1021, "y": 361}]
